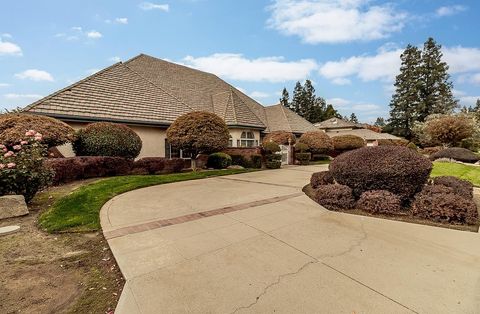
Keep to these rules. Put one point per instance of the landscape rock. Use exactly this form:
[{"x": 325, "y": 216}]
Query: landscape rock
[
  {"x": 9, "y": 230},
  {"x": 12, "y": 206},
  {"x": 235, "y": 167}
]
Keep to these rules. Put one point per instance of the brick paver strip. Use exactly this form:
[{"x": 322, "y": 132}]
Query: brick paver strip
[
  {"x": 195, "y": 216},
  {"x": 259, "y": 182}
]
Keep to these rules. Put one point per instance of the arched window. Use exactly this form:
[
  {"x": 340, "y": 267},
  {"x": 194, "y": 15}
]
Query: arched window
[
  {"x": 230, "y": 141},
  {"x": 247, "y": 139}
]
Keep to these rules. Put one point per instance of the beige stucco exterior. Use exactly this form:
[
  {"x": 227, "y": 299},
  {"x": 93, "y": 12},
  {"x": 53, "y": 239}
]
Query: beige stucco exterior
[{"x": 153, "y": 139}]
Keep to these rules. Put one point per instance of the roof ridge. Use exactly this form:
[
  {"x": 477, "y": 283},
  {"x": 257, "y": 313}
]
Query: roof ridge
[
  {"x": 32, "y": 105},
  {"x": 155, "y": 85},
  {"x": 285, "y": 115}
]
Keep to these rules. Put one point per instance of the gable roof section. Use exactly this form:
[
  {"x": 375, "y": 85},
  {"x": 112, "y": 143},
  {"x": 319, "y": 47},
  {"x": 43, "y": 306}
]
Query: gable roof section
[
  {"x": 283, "y": 119},
  {"x": 366, "y": 134},
  {"x": 115, "y": 93},
  {"x": 152, "y": 91},
  {"x": 335, "y": 123}
]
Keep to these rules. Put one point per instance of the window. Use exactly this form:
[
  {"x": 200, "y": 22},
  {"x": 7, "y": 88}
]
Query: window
[
  {"x": 173, "y": 152},
  {"x": 230, "y": 141},
  {"x": 247, "y": 140}
]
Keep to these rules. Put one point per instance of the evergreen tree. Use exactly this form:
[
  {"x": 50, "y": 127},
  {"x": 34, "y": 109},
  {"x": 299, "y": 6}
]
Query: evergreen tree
[
  {"x": 331, "y": 112},
  {"x": 297, "y": 98},
  {"x": 380, "y": 122},
  {"x": 285, "y": 99},
  {"x": 353, "y": 118},
  {"x": 406, "y": 99},
  {"x": 307, "y": 106},
  {"x": 436, "y": 89}
]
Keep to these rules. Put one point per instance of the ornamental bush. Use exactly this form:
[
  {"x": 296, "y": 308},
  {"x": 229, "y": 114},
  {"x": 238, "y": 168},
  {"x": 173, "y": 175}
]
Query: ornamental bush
[
  {"x": 392, "y": 142},
  {"x": 107, "y": 139},
  {"x": 317, "y": 141},
  {"x": 301, "y": 148},
  {"x": 219, "y": 161},
  {"x": 440, "y": 203},
  {"x": 21, "y": 166},
  {"x": 149, "y": 165},
  {"x": 456, "y": 153},
  {"x": 431, "y": 150},
  {"x": 347, "y": 142},
  {"x": 271, "y": 147},
  {"x": 256, "y": 161},
  {"x": 280, "y": 137},
  {"x": 303, "y": 158},
  {"x": 334, "y": 196},
  {"x": 461, "y": 187},
  {"x": 321, "y": 178},
  {"x": 199, "y": 132},
  {"x": 393, "y": 168},
  {"x": 174, "y": 165},
  {"x": 239, "y": 160},
  {"x": 14, "y": 126},
  {"x": 379, "y": 202}
]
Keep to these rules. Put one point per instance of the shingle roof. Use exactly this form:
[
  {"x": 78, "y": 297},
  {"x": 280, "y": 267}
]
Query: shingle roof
[
  {"x": 366, "y": 134},
  {"x": 280, "y": 118},
  {"x": 335, "y": 123},
  {"x": 148, "y": 90}
]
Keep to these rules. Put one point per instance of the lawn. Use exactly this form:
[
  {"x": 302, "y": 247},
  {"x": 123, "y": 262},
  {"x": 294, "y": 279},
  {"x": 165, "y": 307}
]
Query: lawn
[
  {"x": 79, "y": 211},
  {"x": 462, "y": 171}
]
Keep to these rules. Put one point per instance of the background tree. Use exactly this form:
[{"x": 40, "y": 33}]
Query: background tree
[
  {"x": 353, "y": 118},
  {"x": 285, "y": 99},
  {"x": 436, "y": 95},
  {"x": 449, "y": 130},
  {"x": 297, "y": 98},
  {"x": 406, "y": 99},
  {"x": 380, "y": 122},
  {"x": 198, "y": 132}
]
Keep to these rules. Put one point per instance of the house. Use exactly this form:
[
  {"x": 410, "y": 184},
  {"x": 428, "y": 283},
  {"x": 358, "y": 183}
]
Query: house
[
  {"x": 148, "y": 94},
  {"x": 335, "y": 127}
]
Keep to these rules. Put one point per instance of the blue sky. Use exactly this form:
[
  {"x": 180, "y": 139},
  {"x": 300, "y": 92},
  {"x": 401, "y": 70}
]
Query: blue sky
[{"x": 348, "y": 48}]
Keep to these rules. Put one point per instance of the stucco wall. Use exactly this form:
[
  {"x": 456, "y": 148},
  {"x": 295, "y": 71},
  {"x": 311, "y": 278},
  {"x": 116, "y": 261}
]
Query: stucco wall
[{"x": 153, "y": 139}]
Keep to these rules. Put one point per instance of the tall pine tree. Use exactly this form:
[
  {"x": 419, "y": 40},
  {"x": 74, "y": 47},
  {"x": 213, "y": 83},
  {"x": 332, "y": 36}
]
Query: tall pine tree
[
  {"x": 285, "y": 99},
  {"x": 406, "y": 100},
  {"x": 297, "y": 98},
  {"x": 436, "y": 88},
  {"x": 353, "y": 118},
  {"x": 380, "y": 122}
]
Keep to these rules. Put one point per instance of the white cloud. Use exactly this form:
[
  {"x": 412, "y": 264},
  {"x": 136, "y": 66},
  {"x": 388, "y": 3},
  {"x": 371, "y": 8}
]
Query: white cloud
[
  {"x": 94, "y": 34},
  {"x": 115, "y": 59},
  {"x": 462, "y": 59},
  {"x": 237, "y": 67},
  {"x": 9, "y": 49},
  {"x": 35, "y": 75},
  {"x": 121, "y": 20},
  {"x": 338, "y": 102},
  {"x": 341, "y": 81},
  {"x": 147, "y": 6},
  {"x": 22, "y": 96},
  {"x": 6, "y": 35},
  {"x": 257, "y": 94},
  {"x": 77, "y": 28},
  {"x": 4, "y": 85},
  {"x": 450, "y": 10},
  {"x": 468, "y": 100},
  {"x": 365, "y": 107},
  {"x": 334, "y": 21}
]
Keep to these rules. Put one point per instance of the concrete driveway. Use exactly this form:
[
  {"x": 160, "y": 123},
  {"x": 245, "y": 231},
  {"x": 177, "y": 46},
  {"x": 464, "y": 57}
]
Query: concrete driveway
[{"x": 254, "y": 243}]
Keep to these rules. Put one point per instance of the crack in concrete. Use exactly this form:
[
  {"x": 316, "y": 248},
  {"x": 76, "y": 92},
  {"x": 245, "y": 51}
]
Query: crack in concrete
[
  {"x": 356, "y": 244},
  {"x": 276, "y": 282}
]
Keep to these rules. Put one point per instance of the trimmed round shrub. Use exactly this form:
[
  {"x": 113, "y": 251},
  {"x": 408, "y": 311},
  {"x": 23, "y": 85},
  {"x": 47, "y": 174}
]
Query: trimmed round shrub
[
  {"x": 321, "y": 178},
  {"x": 273, "y": 164},
  {"x": 334, "y": 197},
  {"x": 303, "y": 158},
  {"x": 461, "y": 187},
  {"x": 199, "y": 132},
  {"x": 239, "y": 160},
  {"x": 393, "y": 168},
  {"x": 379, "y": 202},
  {"x": 219, "y": 161},
  {"x": 271, "y": 147},
  {"x": 301, "y": 148},
  {"x": 54, "y": 132},
  {"x": 440, "y": 203},
  {"x": 317, "y": 141},
  {"x": 347, "y": 142},
  {"x": 280, "y": 137},
  {"x": 107, "y": 139},
  {"x": 456, "y": 153},
  {"x": 256, "y": 161}
]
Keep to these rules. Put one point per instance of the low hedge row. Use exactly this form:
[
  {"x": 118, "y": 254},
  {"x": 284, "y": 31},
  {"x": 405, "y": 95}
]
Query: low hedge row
[
  {"x": 254, "y": 161},
  {"x": 78, "y": 168}
]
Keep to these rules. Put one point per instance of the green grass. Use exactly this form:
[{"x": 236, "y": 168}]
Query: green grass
[
  {"x": 466, "y": 172},
  {"x": 79, "y": 210}
]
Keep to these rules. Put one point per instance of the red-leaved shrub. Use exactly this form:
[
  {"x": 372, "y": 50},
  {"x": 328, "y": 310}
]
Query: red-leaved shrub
[
  {"x": 379, "y": 201},
  {"x": 334, "y": 197},
  {"x": 321, "y": 178},
  {"x": 397, "y": 169},
  {"x": 461, "y": 187},
  {"x": 149, "y": 165},
  {"x": 440, "y": 203},
  {"x": 456, "y": 153}
]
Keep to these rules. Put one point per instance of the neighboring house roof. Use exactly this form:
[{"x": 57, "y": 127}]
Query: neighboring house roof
[
  {"x": 335, "y": 123},
  {"x": 278, "y": 117},
  {"x": 366, "y": 134},
  {"x": 151, "y": 91}
]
